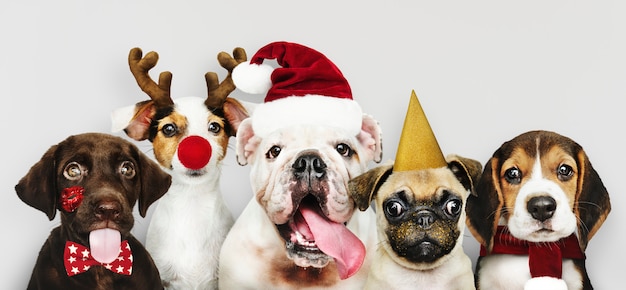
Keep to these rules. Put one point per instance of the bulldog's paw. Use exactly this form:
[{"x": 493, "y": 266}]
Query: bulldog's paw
[{"x": 545, "y": 283}]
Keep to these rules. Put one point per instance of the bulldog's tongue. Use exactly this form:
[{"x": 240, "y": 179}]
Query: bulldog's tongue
[
  {"x": 335, "y": 240},
  {"x": 104, "y": 245}
]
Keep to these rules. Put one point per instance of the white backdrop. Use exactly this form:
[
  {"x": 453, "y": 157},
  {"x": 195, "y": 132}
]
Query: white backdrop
[{"x": 485, "y": 71}]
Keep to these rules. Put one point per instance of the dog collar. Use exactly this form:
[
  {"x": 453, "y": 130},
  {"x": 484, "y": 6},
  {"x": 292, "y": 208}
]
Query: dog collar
[
  {"x": 544, "y": 258},
  {"x": 77, "y": 259}
]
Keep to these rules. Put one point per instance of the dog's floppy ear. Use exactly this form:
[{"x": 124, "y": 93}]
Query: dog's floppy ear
[
  {"x": 371, "y": 138},
  {"x": 363, "y": 188},
  {"x": 38, "y": 187},
  {"x": 154, "y": 182},
  {"x": 246, "y": 142},
  {"x": 235, "y": 112},
  {"x": 485, "y": 204},
  {"x": 466, "y": 170},
  {"x": 592, "y": 200},
  {"x": 134, "y": 120}
]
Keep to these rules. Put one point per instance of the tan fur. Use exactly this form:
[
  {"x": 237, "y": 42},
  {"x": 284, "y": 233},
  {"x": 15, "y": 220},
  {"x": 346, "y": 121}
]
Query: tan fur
[
  {"x": 165, "y": 147},
  {"x": 422, "y": 189},
  {"x": 582, "y": 193}
]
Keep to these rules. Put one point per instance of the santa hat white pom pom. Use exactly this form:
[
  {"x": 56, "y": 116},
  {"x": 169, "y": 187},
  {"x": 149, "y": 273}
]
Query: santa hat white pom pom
[
  {"x": 253, "y": 78},
  {"x": 545, "y": 282}
]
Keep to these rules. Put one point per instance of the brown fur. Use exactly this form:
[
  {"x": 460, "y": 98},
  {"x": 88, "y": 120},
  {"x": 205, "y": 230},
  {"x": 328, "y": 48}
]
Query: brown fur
[
  {"x": 100, "y": 156},
  {"x": 495, "y": 198}
]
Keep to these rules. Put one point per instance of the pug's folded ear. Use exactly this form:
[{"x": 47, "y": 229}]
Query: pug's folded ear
[{"x": 364, "y": 187}]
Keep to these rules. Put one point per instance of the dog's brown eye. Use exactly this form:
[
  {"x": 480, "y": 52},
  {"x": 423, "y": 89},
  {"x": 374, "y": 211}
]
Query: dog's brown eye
[
  {"x": 169, "y": 130},
  {"x": 513, "y": 175},
  {"x": 73, "y": 171},
  {"x": 394, "y": 208},
  {"x": 215, "y": 127},
  {"x": 127, "y": 169},
  {"x": 453, "y": 207},
  {"x": 344, "y": 150},
  {"x": 273, "y": 152},
  {"x": 565, "y": 172}
]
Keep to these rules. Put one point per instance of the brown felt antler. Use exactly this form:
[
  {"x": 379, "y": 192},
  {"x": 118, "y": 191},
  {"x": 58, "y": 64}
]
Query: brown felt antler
[
  {"x": 159, "y": 93},
  {"x": 219, "y": 91}
]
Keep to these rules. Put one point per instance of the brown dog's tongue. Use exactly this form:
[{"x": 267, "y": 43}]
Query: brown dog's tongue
[
  {"x": 104, "y": 245},
  {"x": 335, "y": 240}
]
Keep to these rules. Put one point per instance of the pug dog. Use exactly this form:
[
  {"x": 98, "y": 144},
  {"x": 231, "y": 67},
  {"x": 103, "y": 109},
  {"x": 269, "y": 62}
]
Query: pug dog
[{"x": 420, "y": 218}]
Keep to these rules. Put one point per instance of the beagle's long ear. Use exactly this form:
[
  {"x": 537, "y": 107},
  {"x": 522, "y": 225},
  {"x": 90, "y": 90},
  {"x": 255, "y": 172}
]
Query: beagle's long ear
[
  {"x": 592, "y": 200},
  {"x": 154, "y": 182},
  {"x": 466, "y": 170},
  {"x": 485, "y": 204},
  {"x": 363, "y": 188},
  {"x": 38, "y": 187}
]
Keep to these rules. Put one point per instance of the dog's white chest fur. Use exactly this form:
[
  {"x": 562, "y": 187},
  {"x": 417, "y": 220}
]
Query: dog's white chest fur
[
  {"x": 191, "y": 220},
  {"x": 187, "y": 229},
  {"x": 517, "y": 273},
  {"x": 254, "y": 244}
]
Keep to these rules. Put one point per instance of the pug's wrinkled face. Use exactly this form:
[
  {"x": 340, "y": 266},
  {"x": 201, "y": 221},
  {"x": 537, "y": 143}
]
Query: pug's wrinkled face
[{"x": 421, "y": 216}]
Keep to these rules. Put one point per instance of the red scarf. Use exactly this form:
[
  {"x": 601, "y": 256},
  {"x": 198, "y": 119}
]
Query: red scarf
[{"x": 544, "y": 258}]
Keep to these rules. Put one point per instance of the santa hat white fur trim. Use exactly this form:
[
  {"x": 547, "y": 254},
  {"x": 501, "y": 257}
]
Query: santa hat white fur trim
[
  {"x": 252, "y": 78},
  {"x": 307, "y": 110}
]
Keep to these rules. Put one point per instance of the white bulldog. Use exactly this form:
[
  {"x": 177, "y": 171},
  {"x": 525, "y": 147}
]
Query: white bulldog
[
  {"x": 301, "y": 230},
  {"x": 292, "y": 234}
]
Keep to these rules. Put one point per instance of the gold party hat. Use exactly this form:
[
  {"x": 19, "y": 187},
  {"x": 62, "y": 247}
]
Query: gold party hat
[{"x": 418, "y": 148}]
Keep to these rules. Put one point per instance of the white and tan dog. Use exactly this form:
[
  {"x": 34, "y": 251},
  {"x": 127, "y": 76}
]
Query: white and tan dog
[
  {"x": 420, "y": 210},
  {"x": 190, "y": 137},
  {"x": 302, "y": 230},
  {"x": 538, "y": 203}
]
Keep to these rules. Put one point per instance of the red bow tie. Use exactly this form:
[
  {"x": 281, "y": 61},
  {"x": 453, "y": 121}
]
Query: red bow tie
[
  {"x": 78, "y": 259},
  {"x": 544, "y": 258}
]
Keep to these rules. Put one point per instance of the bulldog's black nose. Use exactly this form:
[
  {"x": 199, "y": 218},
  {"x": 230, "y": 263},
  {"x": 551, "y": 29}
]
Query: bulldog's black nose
[
  {"x": 309, "y": 165},
  {"x": 541, "y": 208}
]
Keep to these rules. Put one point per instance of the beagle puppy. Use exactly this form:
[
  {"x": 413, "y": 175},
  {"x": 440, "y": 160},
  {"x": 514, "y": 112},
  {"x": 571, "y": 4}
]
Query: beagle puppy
[{"x": 536, "y": 206}]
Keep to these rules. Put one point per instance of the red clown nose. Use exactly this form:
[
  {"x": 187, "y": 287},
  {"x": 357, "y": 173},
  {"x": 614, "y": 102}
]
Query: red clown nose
[{"x": 194, "y": 152}]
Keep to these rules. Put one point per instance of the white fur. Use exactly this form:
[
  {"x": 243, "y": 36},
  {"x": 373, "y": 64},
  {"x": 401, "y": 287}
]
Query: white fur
[
  {"x": 191, "y": 220},
  {"x": 523, "y": 226},
  {"x": 545, "y": 283},
  {"x": 253, "y": 246},
  {"x": 507, "y": 272}
]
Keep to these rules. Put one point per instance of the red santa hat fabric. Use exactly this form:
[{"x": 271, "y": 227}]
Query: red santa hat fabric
[{"x": 307, "y": 88}]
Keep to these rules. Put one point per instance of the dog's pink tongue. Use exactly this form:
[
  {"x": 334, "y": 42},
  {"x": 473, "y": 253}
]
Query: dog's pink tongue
[
  {"x": 104, "y": 245},
  {"x": 335, "y": 240}
]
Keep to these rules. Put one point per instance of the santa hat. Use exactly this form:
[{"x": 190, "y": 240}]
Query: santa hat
[
  {"x": 307, "y": 88},
  {"x": 418, "y": 148}
]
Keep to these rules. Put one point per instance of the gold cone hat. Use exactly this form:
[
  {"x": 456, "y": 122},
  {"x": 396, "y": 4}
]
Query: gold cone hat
[{"x": 418, "y": 148}]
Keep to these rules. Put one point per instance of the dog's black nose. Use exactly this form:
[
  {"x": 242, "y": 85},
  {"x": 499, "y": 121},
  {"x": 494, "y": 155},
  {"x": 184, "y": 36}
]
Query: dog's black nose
[
  {"x": 309, "y": 164},
  {"x": 108, "y": 210},
  {"x": 541, "y": 208},
  {"x": 425, "y": 219}
]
